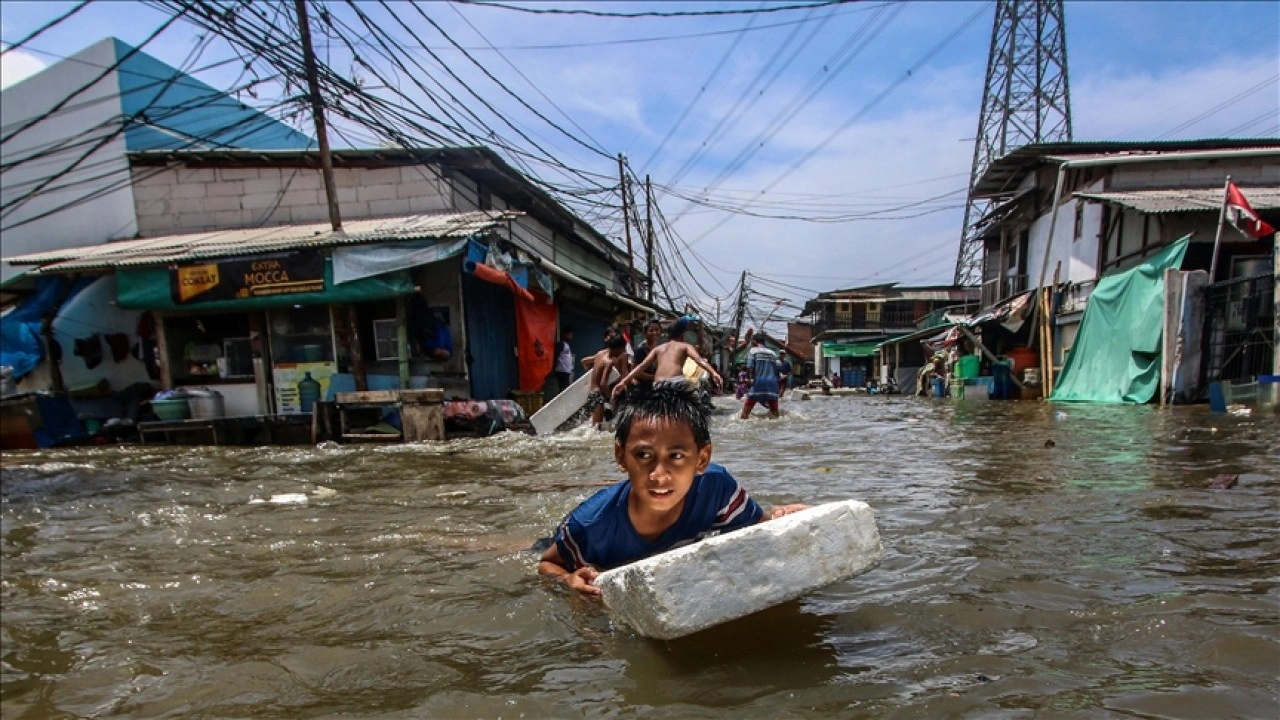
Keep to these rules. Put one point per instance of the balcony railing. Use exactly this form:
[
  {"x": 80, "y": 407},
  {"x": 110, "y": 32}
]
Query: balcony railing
[{"x": 889, "y": 320}]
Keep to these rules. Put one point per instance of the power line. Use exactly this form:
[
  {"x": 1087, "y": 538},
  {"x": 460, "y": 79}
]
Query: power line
[
  {"x": 728, "y": 53},
  {"x": 532, "y": 84},
  {"x": 907, "y": 75},
  {"x": 119, "y": 61},
  {"x": 44, "y": 28},
  {"x": 861, "y": 6},
  {"x": 653, "y": 13}
]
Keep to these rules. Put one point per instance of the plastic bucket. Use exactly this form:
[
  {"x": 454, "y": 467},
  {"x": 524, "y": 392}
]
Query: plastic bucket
[
  {"x": 967, "y": 366},
  {"x": 939, "y": 387},
  {"x": 174, "y": 409}
]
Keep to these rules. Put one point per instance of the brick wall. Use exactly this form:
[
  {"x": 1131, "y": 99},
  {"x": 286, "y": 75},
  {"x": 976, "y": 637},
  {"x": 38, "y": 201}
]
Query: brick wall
[{"x": 179, "y": 199}]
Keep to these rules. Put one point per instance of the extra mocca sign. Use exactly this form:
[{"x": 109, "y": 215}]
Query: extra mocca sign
[{"x": 242, "y": 278}]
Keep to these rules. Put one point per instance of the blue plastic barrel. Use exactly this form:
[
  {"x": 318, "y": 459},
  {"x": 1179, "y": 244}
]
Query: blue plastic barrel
[{"x": 939, "y": 387}]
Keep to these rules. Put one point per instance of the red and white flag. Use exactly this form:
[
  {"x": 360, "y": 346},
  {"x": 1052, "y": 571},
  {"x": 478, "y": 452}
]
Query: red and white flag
[{"x": 1243, "y": 217}]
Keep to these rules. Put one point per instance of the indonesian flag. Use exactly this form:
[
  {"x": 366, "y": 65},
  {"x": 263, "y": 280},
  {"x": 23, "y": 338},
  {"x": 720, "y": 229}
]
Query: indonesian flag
[{"x": 1243, "y": 217}]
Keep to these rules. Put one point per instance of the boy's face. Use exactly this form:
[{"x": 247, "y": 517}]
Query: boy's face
[
  {"x": 661, "y": 458},
  {"x": 652, "y": 334}
]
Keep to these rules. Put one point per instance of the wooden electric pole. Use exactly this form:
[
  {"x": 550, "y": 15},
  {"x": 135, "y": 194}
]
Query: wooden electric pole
[
  {"x": 317, "y": 115},
  {"x": 648, "y": 240},
  {"x": 626, "y": 222}
]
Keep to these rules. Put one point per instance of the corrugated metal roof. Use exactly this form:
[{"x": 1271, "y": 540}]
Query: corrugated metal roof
[
  {"x": 1004, "y": 174},
  {"x": 1185, "y": 200},
  {"x": 255, "y": 241}
]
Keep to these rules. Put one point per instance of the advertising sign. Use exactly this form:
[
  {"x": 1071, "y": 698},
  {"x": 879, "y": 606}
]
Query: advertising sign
[
  {"x": 239, "y": 278},
  {"x": 299, "y": 386}
]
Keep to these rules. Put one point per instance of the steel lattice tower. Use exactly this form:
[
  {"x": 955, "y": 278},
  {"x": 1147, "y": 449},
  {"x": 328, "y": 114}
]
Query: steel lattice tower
[{"x": 1025, "y": 100}]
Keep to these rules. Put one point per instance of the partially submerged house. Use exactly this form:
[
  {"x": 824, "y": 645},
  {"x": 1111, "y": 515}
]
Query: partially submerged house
[
  {"x": 452, "y": 270},
  {"x": 1067, "y": 214},
  {"x": 188, "y": 260}
]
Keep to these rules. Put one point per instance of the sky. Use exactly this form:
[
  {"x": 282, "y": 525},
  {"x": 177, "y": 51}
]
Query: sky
[{"x": 861, "y": 115}]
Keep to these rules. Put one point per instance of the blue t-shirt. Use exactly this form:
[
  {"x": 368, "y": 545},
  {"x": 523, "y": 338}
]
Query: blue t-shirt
[{"x": 599, "y": 532}]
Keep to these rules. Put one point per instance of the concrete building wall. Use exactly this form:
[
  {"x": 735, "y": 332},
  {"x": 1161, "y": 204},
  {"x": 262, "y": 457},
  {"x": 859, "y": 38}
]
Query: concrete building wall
[
  {"x": 179, "y": 199},
  {"x": 81, "y": 145},
  {"x": 1196, "y": 174}
]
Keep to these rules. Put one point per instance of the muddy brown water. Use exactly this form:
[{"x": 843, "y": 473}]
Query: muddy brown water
[{"x": 1095, "y": 576}]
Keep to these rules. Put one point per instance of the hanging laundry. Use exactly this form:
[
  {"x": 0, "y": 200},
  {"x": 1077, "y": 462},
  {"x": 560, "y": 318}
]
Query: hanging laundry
[
  {"x": 119, "y": 344},
  {"x": 89, "y": 348}
]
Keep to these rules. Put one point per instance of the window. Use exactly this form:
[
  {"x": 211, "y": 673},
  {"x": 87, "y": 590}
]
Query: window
[{"x": 385, "y": 340}]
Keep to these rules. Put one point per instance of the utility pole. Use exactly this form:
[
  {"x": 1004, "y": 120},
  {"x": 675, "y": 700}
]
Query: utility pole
[
  {"x": 317, "y": 114},
  {"x": 1025, "y": 100},
  {"x": 738, "y": 317},
  {"x": 626, "y": 221},
  {"x": 648, "y": 239}
]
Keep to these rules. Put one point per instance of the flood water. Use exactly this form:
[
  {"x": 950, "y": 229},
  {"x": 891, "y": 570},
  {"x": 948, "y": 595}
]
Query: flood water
[{"x": 1095, "y": 575}]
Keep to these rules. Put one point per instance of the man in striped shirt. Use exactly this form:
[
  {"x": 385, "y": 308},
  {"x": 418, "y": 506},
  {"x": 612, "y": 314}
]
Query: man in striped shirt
[{"x": 673, "y": 495}]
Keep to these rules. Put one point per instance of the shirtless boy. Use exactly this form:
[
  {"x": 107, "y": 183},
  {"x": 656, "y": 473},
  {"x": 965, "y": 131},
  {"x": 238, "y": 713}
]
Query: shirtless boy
[
  {"x": 667, "y": 361},
  {"x": 614, "y": 356}
]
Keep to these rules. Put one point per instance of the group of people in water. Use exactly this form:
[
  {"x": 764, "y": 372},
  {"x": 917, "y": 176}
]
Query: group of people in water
[{"x": 618, "y": 377}]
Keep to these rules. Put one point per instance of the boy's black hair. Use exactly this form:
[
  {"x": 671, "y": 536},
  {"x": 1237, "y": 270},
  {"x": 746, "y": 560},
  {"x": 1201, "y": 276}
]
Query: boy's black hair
[
  {"x": 653, "y": 321},
  {"x": 673, "y": 402},
  {"x": 566, "y": 329},
  {"x": 617, "y": 342},
  {"x": 677, "y": 329}
]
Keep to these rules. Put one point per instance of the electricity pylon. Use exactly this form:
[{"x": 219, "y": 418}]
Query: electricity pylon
[{"x": 1025, "y": 100}]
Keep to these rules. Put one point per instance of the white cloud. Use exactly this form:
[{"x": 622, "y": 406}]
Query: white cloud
[
  {"x": 1194, "y": 102},
  {"x": 16, "y": 66}
]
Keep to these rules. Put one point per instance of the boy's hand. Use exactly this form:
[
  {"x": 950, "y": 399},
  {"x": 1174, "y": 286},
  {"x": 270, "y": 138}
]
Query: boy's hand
[
  {"x": 779, "y": 510},
  {"x": 617, "y": 390},
  {"x": 582, "y": 579}
]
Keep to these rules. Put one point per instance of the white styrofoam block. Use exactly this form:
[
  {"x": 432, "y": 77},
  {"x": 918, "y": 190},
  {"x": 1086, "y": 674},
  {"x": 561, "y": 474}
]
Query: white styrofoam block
[{"x": 728, "y": 576}]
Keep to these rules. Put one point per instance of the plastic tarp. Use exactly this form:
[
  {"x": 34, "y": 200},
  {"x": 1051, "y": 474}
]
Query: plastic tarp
[
  {"x": 148, "y": 289},
  {"x": 1116, "y": 356},
  {"x": 535, "y": 340},
  {"x": 362, "y": 261},
  {"x": 535, "y": 325},
  {"x": 21, "y": 347}
]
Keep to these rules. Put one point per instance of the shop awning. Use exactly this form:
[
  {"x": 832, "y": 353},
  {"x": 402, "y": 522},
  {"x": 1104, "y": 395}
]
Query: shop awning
[
  {"x": 241, "y": 242},
  {"x": 849, "y": 349},
  {"x": 928, "y": 335}
]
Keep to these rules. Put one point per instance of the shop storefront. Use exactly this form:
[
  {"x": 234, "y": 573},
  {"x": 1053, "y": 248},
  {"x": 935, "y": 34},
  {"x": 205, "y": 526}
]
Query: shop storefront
[{"x": 264, "y": 330}]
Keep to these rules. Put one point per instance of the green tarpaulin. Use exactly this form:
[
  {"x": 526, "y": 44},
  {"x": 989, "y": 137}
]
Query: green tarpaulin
[
  {"x": 148, "y": 289},
  {"x": 1116, "y": 356},
  {"x": 849, "y": 349}
]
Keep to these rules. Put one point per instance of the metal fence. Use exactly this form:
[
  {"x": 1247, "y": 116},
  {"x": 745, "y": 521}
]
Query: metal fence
[{"x": 1239, "y": 328}]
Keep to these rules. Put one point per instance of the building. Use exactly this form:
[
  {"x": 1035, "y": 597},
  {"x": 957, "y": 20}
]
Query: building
[
  {"x": 448, "y": 259},
  {"x": 849, "y": 324},
  {"x": 198, "y": 263},
  {"x": 67, "y": 181},
  {"x": 1068, "y": 214}
]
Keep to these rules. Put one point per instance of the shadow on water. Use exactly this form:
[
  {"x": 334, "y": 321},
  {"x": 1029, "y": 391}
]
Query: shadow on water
[{"x": 782, "y": 647}]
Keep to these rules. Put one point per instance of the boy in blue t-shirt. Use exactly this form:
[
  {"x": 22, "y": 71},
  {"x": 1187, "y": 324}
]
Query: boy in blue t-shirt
[{"x": 673, "y": 494}]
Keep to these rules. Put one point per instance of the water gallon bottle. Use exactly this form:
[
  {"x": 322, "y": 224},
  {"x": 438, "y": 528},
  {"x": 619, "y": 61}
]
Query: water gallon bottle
[{"x": 308, "y": 393}]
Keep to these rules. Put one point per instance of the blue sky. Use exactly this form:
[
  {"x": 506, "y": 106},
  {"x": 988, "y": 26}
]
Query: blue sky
[{"x": 1138, "y": 70}]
